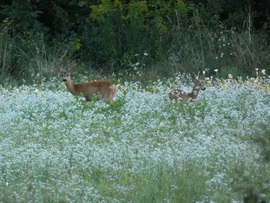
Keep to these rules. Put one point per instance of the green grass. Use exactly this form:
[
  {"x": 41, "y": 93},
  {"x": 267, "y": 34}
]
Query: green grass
[{"x": 142, "y": 148}]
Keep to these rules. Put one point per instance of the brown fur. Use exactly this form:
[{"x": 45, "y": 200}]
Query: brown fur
[
  {"x": 178, "y": 95},
  {"x": 101, "y": 89}
]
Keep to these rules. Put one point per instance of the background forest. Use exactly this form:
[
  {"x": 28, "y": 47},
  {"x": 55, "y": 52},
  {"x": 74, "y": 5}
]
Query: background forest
[
  {"x": 157, "y": 37},
  {"x": 142, "y": 147}
]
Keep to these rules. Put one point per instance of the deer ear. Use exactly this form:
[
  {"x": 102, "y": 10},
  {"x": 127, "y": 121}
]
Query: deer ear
[
  {"x": 70, "y": 69},
  {"x": 60, "y": 71}
]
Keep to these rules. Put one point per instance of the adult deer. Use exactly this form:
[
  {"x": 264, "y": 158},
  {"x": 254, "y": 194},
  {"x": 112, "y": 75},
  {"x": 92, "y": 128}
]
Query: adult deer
[
  {"x": 178, "y": 95},
  {"x": 101, "y": 89}
]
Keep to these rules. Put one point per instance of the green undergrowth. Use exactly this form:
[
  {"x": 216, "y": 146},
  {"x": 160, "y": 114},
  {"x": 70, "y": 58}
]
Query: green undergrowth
[{"x": 142, "y": 148}]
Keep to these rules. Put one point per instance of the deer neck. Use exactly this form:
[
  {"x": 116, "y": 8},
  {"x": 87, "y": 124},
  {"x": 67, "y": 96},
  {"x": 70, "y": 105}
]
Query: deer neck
[
  {"x": 194, "y": 93},
  {"x": 71, "y": 87}
]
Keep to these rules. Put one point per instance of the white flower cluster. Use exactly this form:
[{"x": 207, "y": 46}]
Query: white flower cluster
[{"x": 53, "y": 146}]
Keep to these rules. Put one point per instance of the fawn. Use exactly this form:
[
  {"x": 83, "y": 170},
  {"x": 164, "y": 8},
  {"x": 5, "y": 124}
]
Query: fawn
[
  {"x": 102, "y": 89},
  {"x": 178, "y": 95}
]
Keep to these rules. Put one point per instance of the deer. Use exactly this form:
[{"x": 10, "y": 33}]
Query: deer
[
  {"x": 102, "y": 89},
  {"x": 178, "y": 95}
]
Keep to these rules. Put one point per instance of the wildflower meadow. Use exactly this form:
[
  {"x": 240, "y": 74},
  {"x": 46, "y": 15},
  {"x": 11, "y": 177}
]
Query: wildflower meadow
[{"x": 142, "y": 148}]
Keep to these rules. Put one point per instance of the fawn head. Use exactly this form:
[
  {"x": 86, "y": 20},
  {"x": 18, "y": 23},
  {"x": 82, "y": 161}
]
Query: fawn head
[{"x": 197, "y": 84}]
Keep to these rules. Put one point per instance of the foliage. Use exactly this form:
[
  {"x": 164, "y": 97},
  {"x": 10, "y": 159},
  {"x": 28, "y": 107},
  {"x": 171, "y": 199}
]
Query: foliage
[
  {"x": 162, "y": 37},
  {"x": 7, "y": 46},
  {"x": 23, "y": 14},
  {"x": 142, "y": 148}
]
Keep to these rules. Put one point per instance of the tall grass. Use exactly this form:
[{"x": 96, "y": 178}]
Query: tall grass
[
  {"x": 6, "y": 48},
  {"x": 142, "y": 148},
  {"x": 169, "y": 47},
  {"x": 25, "y": 55},
  {"x": 199, "y": 48}
]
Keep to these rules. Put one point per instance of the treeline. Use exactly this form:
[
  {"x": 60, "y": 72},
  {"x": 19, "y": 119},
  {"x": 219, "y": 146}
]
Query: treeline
[{"x": 39, "y": 36}]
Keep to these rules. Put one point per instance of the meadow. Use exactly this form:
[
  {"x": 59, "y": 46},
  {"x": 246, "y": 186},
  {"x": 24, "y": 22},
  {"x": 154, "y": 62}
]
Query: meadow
[{"x": 142, "y": 148}]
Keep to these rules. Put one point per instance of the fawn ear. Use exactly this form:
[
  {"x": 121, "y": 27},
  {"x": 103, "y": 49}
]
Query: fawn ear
[{"x": 194, "y": 78}]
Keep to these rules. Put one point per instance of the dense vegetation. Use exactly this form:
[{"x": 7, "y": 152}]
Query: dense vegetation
[
  {"x": 160, "y": 38},
  {"x": 142, "y": 148}
]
